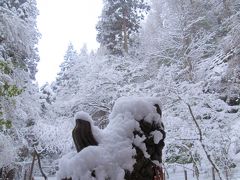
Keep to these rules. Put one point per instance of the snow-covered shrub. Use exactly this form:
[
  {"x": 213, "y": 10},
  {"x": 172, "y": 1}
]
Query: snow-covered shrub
[{"x": 7, "y": 151}]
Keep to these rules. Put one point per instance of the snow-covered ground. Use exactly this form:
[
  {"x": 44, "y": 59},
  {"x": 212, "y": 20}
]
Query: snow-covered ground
[
  {"x": 175, "y": 176},
  {"x": 41, "y": 178},
  {"x": 179, "y": 175}
]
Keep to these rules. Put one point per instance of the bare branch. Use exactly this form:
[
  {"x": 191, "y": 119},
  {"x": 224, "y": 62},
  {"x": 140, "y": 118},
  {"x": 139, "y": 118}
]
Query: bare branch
[
  {"x": 202, "y": 143},
  {"x": 189, "y": 139},
  {"x": 102, "y": 107},
  {"x": 196, "y": 123}
]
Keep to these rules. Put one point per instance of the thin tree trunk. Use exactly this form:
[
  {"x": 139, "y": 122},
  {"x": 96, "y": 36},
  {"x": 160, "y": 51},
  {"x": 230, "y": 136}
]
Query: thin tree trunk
[
  {"x": 25, "y": 175},
  {"x": 31, "y": 170},
  {"x": 125, "y": 45},
  {"x": 40, "y": 167},
  {"x": 201, "y": 142},
  {"x": 125, "y": 34},
  {"x": 213, "y": 174},
  {"x": 226, "y": 171},
  {"x": 185, "y": 175}
]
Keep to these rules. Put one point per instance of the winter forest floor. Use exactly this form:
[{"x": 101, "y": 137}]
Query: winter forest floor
[
  {"x": 207, "y": 176},
  {"x": 179, "y": 175}
]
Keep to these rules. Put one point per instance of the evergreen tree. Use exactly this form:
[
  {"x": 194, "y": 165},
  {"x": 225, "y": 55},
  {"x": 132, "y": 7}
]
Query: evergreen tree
[
  {"x": 119, "y": 19},
  {"x": 70, "y": 58}
]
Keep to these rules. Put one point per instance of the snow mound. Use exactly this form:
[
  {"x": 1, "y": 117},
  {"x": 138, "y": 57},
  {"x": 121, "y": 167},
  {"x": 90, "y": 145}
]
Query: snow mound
[
  {"x": 139, "y": 107},
  {"x": 83, "y": 116},
  {"x": 115, "y": 152}
]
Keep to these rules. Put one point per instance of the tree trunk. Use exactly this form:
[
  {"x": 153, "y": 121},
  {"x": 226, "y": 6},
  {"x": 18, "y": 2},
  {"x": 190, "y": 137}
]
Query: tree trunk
[
  {"x": 125, "y": 43},
  {"x": 40, "y": 166},
  {"x": 31, "y": 169},
  {"x": 125, "y": 34}
]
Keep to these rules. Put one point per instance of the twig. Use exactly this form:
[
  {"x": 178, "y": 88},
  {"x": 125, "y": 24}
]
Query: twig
[
  {"x": 98, "y": 106},
  {"x": 184, "y": 167},
  {"x": 193, "y": 139}
]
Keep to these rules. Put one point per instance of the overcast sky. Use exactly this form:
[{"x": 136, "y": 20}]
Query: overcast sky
[{"x": 61, "y": 22}]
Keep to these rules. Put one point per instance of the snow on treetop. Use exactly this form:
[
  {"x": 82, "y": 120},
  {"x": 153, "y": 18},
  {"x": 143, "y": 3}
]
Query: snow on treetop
[
  {"x": 48, "y": 89},
  {"x": 140, "y": 108}
]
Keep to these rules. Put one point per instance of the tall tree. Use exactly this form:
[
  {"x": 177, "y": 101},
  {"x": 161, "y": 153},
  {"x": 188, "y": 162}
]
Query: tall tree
[
  {"x": 70, "y": 59},
  {"x": 119, "y": 19},
  {"x": 18, "y": 60}
]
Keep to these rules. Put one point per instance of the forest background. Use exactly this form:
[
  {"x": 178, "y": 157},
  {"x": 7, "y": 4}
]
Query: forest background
[{"x": 187, "y": 53}]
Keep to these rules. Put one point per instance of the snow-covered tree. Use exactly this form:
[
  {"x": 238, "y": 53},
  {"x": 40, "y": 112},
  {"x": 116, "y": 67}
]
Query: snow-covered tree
[
  {"x": 70, "y": 59},
  {"x": 19, "y": 99},
  {"x": 119, "y": 20},
  {"x": 17, "y": 18}
]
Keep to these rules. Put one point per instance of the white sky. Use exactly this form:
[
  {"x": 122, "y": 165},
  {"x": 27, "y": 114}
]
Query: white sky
[{"x": 61, "y": 22}]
